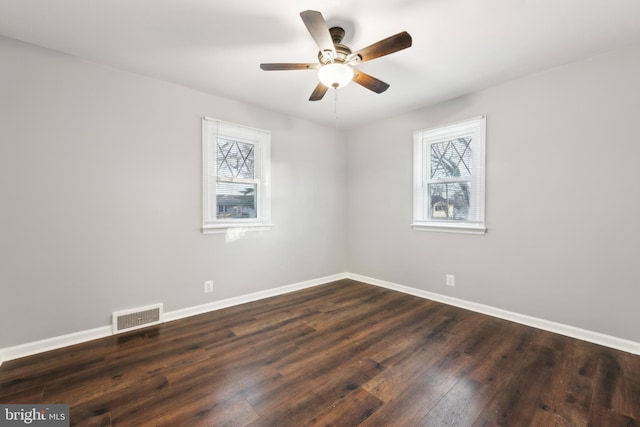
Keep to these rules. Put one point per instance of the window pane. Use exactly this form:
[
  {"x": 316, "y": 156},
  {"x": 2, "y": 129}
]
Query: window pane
[
  {"x": 449, "y": 201},
  {"x": 235, "y": 159},
  {"x": 451, "y": 158},
  {"x": 235, "y": 200}
]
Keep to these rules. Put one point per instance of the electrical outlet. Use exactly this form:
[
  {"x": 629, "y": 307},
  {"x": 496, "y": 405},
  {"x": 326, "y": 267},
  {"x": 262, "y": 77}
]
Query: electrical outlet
[
  {"x": 208, "y": 286},
  {"x": 451, "y": 280}
]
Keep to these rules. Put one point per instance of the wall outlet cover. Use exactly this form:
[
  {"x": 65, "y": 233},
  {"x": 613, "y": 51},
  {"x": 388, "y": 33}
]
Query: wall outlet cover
[{"x": 208, "y": 286}]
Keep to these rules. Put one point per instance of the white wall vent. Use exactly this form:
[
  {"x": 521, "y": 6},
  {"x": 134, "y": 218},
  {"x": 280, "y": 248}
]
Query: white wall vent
[{"x": 136, "y": 318}]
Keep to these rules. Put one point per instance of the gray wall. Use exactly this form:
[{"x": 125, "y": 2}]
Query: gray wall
[
  {"x": 562, "y": 199},
  {"x": 100, "y": 176}
]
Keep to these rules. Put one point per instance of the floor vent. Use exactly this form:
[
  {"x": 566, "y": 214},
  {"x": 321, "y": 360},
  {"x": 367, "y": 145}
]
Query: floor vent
[{"x": 141, "y": 317}]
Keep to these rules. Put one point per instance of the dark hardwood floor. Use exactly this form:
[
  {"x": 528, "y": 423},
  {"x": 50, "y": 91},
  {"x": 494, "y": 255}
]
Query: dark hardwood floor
[{"x": 341, "y": 354}]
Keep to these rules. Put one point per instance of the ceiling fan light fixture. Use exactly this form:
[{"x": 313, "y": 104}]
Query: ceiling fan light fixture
[
  {"x": 336, "y": 61},
  {"x": 335, "y": 75}
]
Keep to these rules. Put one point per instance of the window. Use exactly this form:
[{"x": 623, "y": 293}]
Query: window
[
  {"x": 448, "y": 178},
  {"x": 236, "y": 177}
]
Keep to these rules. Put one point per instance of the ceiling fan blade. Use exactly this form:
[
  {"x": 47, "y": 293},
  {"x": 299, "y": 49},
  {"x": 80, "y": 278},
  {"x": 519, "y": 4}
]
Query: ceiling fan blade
[
  {"x": 319, "y": 31},
  {"x": 384, "y": 47},
  {"x": 318, "y": 92},
  {"x": 287, "y": 66},
  {"x": 371, "y": 83}
]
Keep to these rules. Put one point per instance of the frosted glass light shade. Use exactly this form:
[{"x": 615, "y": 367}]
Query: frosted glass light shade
[{"x": 335, "y": 75}]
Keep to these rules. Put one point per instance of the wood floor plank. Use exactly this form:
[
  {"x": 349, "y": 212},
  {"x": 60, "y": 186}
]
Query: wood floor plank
[
  {"x": 604, "y": 417},
  {"x": 422, "y": 390},
  {"x": 341, "y": 354},
  {"x": 351, "y": 411},
  {"x": 348, "y": 342},
  {"x": 102, "y": 420},
  {"x": 616, "y": 389},
  {"x": 30, "y": 395},
  {"x": 479, "y": 382},
  {"x": 517, "y": 401},
  {"x": 208, "y": 410},
  {"x": 607, "y": 380},
  {"x": 566, "y": 401},
  {"x": 294, "y": 406},
  {"x": 426, "y": 350},
  {"x": 20, "y": 377},
  {"x": 628, "y": 398},
  {"x": 105, "y": 400}
]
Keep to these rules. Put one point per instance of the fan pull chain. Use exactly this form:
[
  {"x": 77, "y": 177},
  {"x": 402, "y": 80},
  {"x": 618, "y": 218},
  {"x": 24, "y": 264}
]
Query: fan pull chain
[{"x": 335, "y": 103}]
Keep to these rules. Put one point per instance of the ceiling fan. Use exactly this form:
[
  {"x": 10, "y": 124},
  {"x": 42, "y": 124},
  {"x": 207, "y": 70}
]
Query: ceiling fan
[{"x": 336, "y": 61}]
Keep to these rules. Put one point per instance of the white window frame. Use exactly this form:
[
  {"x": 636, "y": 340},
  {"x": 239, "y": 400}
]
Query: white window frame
[
  {"x": 261, "y": 140},
  {"x": 422, "y": 140}
]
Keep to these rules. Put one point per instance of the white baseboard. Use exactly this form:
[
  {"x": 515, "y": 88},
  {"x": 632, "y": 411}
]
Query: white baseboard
[
  {"x": 54, "y": 343},
  {"x": 41, "y": 346},
  {"x": 242, "y": 299},
  {"x": 558, "y": 328}
]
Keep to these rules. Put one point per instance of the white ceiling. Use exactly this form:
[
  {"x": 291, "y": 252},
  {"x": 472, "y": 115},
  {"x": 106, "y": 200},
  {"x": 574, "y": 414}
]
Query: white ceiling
[{"x": 216, "y": 46}]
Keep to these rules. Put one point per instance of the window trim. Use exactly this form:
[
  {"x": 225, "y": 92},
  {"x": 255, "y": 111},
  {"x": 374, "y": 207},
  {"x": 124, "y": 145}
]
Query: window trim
[
  {"x": 421, "y": 220},
  {"x": 261, "y": 139}
]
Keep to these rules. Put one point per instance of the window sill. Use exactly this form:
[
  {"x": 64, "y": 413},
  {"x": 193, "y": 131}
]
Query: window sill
[
  {"x": 464, "y": 228},
  {"x": 224, "y": 228}
]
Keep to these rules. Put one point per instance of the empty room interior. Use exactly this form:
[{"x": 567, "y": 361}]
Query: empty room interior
[{"x": 355, "y": 213}]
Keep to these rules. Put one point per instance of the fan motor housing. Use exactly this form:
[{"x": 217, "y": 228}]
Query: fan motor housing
[{"x": 342, "y": 51}]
